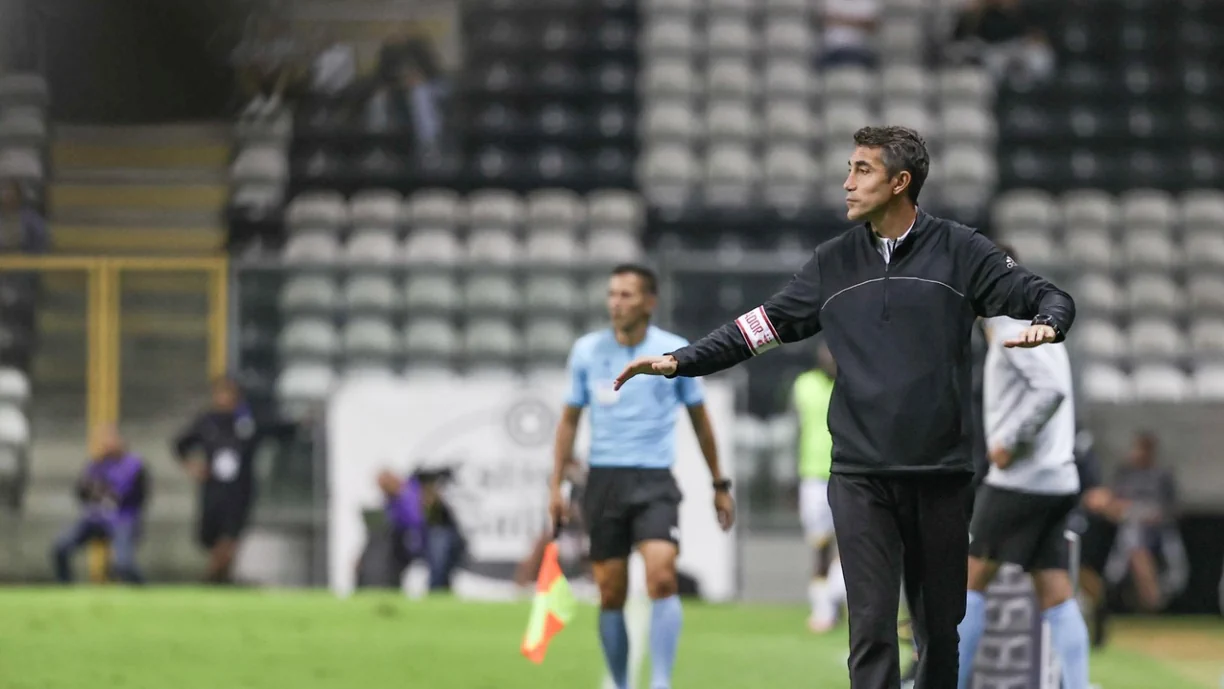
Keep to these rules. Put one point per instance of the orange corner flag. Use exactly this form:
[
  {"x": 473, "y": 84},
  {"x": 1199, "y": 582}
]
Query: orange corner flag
[{"x": 552, "y": 609}]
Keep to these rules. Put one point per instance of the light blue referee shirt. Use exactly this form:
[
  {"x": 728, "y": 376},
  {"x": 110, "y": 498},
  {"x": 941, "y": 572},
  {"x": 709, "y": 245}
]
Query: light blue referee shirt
[{"x": 635, "y": 426}]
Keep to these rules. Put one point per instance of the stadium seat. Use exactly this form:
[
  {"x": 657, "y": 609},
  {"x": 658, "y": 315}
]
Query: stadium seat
[
  {"x": 788, "y": 79},
  {"x": 21, "y": 164},
  {"x": 1105, "y": 383},
  {"x": 22, "y": 131},
  {"x": 308, "y": 338},
  {"x": 729, "y": 36},
  {"x": 1206, "y": 293},
  {"x": 554, "y": 209},
  {"x": 366, "y": 338},
  {"x": 731, "y": 175},
  {"x": 431, "y": 293},
  {"x": 1148, "y": 209},
  {"x": 968, "y": 124},
  {"x": 317, "y": 211},
  {"x": 372, "y": 293},
  {"x": 790, "y": 177},
  {"x": 908, "y": 82},
  {"x": 373, "y": 247},
  {"x": 1202, "y": 208},
  {"x": 668, "y": 37},
  {"x": 842, "y": 119},
  {"x": 785, "y": 37},
  {"x": 667, "y": 175},
  {"x": 670, "y": 121},
  {"x": 613, "y": 246},
  {"x": 1155, "y": 338},
  {"x": 495, "y": 209},
  {"x": 14, "y": 387},
  {"x": 1088, "y": 209},
  {"x": 596, "y": 293},
  {"x": 1204, "y": 246},
  {"x": 1160, "y": 383},
  {"x": 14, "y": 427},
  {"x": 1024, "y": 209},
  {"x": 311, "y": 248},
  {"x": 493, "y": 292},
  {"x": 427, "y": 371},
  {"x": 730, "y": 122},
  {"x": 491, "y": 339},
  {"x": 1151, "y": 249},
  {"x": 1154, "y": 293},
  {"x": 260, "y": 163},
  {"x": 497, "y": 246},
  {"x": 309, "y": 294},
  {"x": 375, "y": 209},
  {"x": 1034, "y": 247},
  {"x": 301, "y": 388},
  {"x": 1097, "y": 294},
  {"x": 789, "y": 122},
  {"x": 612, "y": 208},
  {"x": 549, "y": 339},
  {"x": 1209, "y": 382},
  {"x": 664, "y": 78},
  {"x": 729, "y": 79},
  {"x": 428, "y": 339},
  {"x": 434, "y": 209},
  {"x": 23, "y": 90},
  {"x": 1090, "y": 248},
  {"x": 909, "y": 113},
  {"x": 552, "y": 246},
  {"x": 855, "y": 84},
  {"x": 551, "y": 293},
  {"x": 432, "y": 247},
  {"x": 678, "y": 9},
  {"x": 257, "y": 201},
  {"x": 966, "y": 85},
  {"x": 1100, "y": 339}
]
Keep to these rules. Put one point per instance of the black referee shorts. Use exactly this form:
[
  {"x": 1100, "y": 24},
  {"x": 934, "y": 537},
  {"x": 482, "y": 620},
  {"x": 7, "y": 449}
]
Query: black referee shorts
[
  {"x": 223, "y": 516},
  {"x": 625, "y": 506},
  {"x": 1024, "y": 529}
]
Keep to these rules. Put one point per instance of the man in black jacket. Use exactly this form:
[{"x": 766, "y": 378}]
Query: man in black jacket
[{"x": 897, "y": 298}]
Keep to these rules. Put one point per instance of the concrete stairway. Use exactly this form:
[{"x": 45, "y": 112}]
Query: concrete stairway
[{"x": 126, "y": 191}]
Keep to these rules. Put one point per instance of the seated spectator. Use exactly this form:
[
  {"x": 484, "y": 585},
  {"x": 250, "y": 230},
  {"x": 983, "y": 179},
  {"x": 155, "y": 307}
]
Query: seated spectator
[
  {"x": 334, "y": 69},
  {"x": 999, "y": 35},
  {"x": 422, "y": 525},
  {"x": 1148, "y": 540},
  {"x": 849, "y": 32},
  {"x": 409, "y": 93},
  {"x": 267, "y": 65},
  {"x": 22, "y": 228},
  {"x": 112, "y": 489}
]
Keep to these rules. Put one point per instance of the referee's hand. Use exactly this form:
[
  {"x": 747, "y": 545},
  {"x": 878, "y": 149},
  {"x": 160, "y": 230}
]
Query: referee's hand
[
  {"x": 1032, "y": 336},
  {"x": 647, "y": 365}
]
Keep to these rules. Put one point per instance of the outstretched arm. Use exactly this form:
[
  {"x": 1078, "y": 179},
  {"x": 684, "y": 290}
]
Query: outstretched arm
[
  {"x": 791, "y": 315},
  {"x": 998, "y": 286}
]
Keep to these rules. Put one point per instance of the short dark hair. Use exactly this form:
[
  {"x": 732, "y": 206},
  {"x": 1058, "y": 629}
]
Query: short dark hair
[
  {"x": 649, "y": 281},
  {"x": 901, "y": 148}
]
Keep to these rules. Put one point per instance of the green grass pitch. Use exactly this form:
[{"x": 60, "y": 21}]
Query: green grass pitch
[{"x": 171, "y": 638}]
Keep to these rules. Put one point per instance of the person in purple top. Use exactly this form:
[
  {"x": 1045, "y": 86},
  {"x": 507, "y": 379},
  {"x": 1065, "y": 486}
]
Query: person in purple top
[
  {"x": 112, "y": 490},
  {"x": 422, "y": 524}
]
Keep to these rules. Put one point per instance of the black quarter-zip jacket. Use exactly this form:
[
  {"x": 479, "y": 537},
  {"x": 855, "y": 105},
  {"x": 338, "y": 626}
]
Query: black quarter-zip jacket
[{"x": 900, "y": 332}]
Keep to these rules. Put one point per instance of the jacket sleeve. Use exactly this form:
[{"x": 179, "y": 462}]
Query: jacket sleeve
[
  {"x": 188, "y": 440},
  {"x": 791, "y": 315},
  {"x": 998, "y": 286}
]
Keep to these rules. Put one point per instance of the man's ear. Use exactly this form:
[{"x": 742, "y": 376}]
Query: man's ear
[{"x": 901, "y": 182}]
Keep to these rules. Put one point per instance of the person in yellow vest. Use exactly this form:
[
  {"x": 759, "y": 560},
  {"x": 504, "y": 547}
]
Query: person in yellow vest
[{"x": 810, "y": 400}]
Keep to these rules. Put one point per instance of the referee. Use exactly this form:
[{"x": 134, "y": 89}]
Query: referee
[{"x": 896, "y": 298}]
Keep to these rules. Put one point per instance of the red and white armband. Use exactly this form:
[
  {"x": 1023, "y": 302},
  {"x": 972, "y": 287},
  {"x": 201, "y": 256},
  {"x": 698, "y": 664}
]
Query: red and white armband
[{"x": 758, "y": 332}]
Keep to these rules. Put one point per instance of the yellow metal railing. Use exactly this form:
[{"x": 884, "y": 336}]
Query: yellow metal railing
[{"x": 103, "y": 315}]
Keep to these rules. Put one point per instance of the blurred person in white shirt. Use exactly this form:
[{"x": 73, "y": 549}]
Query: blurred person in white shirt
[{"x": 849, "y": 32}]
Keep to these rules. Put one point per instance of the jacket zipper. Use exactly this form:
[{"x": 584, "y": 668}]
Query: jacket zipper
[{"x": 886, "y": 267}]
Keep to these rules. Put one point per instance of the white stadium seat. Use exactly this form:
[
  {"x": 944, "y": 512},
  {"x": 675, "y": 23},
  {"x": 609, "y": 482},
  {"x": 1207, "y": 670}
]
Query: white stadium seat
[
  {"x": 430, "y": 338},
  {"x": 375, "y": 209},
  {"x": 14, "y": 387},
  {"x": 1161, "y": 383},
  {"x": 1088, "y": 210},
  {"x": 1155, "y": 339},
  {"x": 431, "y": 247},
  {"x": 309, "y": 293},
  {"x": 1105, "y": 383},
  {"x": 433, "y": 209},
  {"x": 1148, "y": 209}
]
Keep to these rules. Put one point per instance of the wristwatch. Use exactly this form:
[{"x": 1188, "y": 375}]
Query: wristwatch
[
  {"x": 1049, "y": 322},
  {"x": 722, "y": 485}
]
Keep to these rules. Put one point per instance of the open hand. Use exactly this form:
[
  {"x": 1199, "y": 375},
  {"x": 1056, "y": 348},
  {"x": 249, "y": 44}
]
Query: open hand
[
  {"x": 647, "y": 365},
  {"x": 724, "y": 507},
  {"x": 1032, "y": 336}
]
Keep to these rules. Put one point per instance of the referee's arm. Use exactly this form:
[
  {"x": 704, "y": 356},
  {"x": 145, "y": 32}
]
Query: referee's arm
[
  {"x": 791, "y": 315},
  {"x": 998, "y": 286}
]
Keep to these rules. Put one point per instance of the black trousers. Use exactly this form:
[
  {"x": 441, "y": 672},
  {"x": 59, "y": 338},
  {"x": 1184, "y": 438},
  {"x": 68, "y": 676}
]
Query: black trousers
[{"x": 891, "y": 525}]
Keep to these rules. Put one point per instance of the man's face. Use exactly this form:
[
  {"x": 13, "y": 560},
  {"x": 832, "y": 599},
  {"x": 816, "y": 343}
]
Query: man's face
[
  {"x": 106, "y": 443},
  {"x": 388, "y": 482},
  {"x": 628, "y": 301},
  {"x": 1142, "y": 454},
  {"x": 868, "y": 186},
  {"x": 225, "y": 396}
]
